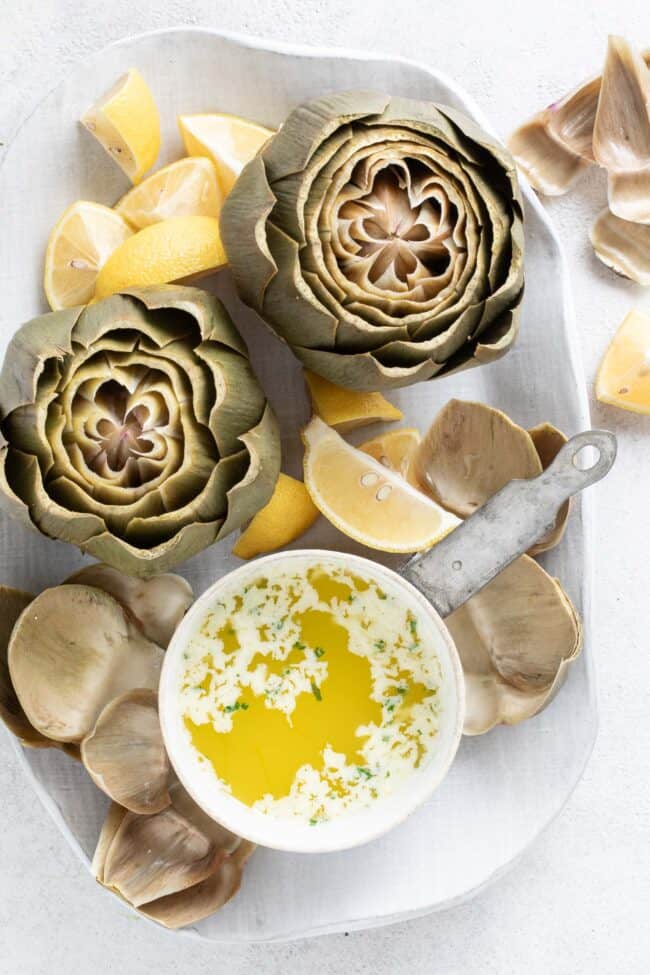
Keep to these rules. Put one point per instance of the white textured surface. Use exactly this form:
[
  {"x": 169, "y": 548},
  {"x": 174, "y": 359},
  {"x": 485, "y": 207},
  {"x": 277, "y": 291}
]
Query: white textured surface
[{"x": 579, "y": 901}]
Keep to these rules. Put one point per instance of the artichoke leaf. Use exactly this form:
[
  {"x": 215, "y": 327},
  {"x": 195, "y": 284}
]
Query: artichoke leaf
[
  {"x": 46, "y": 337},
  {"x": 622, "y": 246},
  {"x": 12, "y": 603},
  {"x": 24, "y": 480},
  {"x": 152, "y": 856},
  {"x": 158, "y": 604},
  {"x": 621, "y": 136},
  {"x": 316, "y": 325},
  {"x": 628, "y": 195},
  {"x": 199, "y": 901},
  {"x": 362, "y": 371},
  {"x": 516, "y": 639},
  {"x": 110, "y": 826},
  {"x": 548, "y": 165},
  {"x": 125, "y": 755},
  {"x": 305, "y": 129},
  {"x": 205, "y": 309},
  {"x": 239, "y": 401},
  {"x": 71, "y": 652},
  {"x": 250, "y": 494}
]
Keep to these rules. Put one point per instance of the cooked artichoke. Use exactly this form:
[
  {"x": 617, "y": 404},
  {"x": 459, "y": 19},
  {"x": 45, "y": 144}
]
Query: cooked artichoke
[
  {"x": 381, "y": 238},
  {"x": 135, "y": 428}
]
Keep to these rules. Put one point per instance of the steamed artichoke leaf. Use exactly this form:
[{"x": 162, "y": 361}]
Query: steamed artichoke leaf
[
  {"x": 495, "y": 341},
  {"x": 117, "y": 312},
  {"x": 12, "y": 603},
  {"x": 110, "y": 826},
  {"x": 239, "y": 402},
  {"x": 206, "y": 310},
  {"x": 305, "y": 129},
  {"x": 152, "y": 856},
  {"x": 505, "y": 294},
  {"x": 315, "y": 326},
  {"x": 470, "y": 452},
  {"x": 10, "y": 502},
  {"x": 145, "y": 562},
  {"x": 157, "y": 604},
  {"x": 71, "y": 652},
  {"x": 43, "y": 338},
  {"x": 549, "y": 166},
  {"x": 362, "y": 371},
  {"x": 203, "y": 899},
  {"x": 205, "y": 505},
  {"x": 439, "y": 348},
  {"x": 125, "y": 755},
  {"x": 243, "y": 227},
  {"x": 628, "y": 195},
  {"x": 23, "y": 476},
  {"x": 254, "y": 490}
]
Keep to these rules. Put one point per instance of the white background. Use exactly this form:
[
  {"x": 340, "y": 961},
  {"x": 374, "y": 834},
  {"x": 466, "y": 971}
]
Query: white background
[{"x": 579, "y": 902}]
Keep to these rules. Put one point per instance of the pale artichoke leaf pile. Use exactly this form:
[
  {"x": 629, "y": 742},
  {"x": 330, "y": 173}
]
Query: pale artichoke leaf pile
[
  {"x": 517, "y": 637},
  {"x": 79, "y": 670},
  {"x": 605, "y": 121}
]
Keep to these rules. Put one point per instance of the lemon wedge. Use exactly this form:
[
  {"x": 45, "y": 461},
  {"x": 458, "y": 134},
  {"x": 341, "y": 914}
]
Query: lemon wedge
[
  {"x": 229, "y": 141},
  {"x": 345, "y": 409},
  {"x": 81, "y": 241},
  {"x": 180, "y": 250},
  {"x": 395, "y": 451},
  {"x": 185, "y": 188},
  {"x": 126, "y": 123},
  {"x": 287, "y": 516},
  {"x": 366, "y": 500},
  {"x": 624, "y": 376}
]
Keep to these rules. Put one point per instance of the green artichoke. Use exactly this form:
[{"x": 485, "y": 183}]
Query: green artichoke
[
  {"x": 381, "y": 238},
  {"x": 135, "y": 428}
]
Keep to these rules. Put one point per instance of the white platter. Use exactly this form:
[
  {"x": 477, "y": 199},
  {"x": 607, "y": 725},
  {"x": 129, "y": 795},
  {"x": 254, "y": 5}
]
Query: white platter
[{"x": 505, "y": 787}]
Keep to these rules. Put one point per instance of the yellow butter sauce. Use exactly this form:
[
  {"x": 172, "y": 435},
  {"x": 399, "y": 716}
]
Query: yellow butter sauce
[{"x": 309, "y": 693}]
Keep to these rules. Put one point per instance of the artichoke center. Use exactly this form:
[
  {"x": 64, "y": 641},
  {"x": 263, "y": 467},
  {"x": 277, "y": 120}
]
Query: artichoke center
[
  {"x": 120, "y": 432},
  {"x": 397, "y": 230}
]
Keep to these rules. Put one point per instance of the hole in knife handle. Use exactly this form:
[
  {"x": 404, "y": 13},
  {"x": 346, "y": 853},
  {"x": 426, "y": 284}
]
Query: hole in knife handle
[{"x": 586, "y": 458}]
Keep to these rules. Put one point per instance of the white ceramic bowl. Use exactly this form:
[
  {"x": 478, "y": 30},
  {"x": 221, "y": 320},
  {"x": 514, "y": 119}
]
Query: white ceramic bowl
[{"x": 351, "y": 828}]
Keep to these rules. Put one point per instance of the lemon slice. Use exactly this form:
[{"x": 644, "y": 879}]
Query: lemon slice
[
  {"x": 185, "y": 188},
  {"x": 180, "y": 250},
  {"x": 287, "y": 516},
  {"x": 81, "y": 241},
  {"x": 345, "y": 409},
  {"x": 395, "y": 451},
  {"x": 126, "y": 123},
  {"x": 229, "y": 141},
  {"x": 624, "y": 376},
  {"x": 366, "y": 500}
]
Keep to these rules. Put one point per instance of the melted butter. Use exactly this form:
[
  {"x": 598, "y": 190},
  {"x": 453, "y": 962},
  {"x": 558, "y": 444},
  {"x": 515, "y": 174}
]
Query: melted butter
[
  {"x": 266, "y": 747},
  {"x": 322, "y": 709}
]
